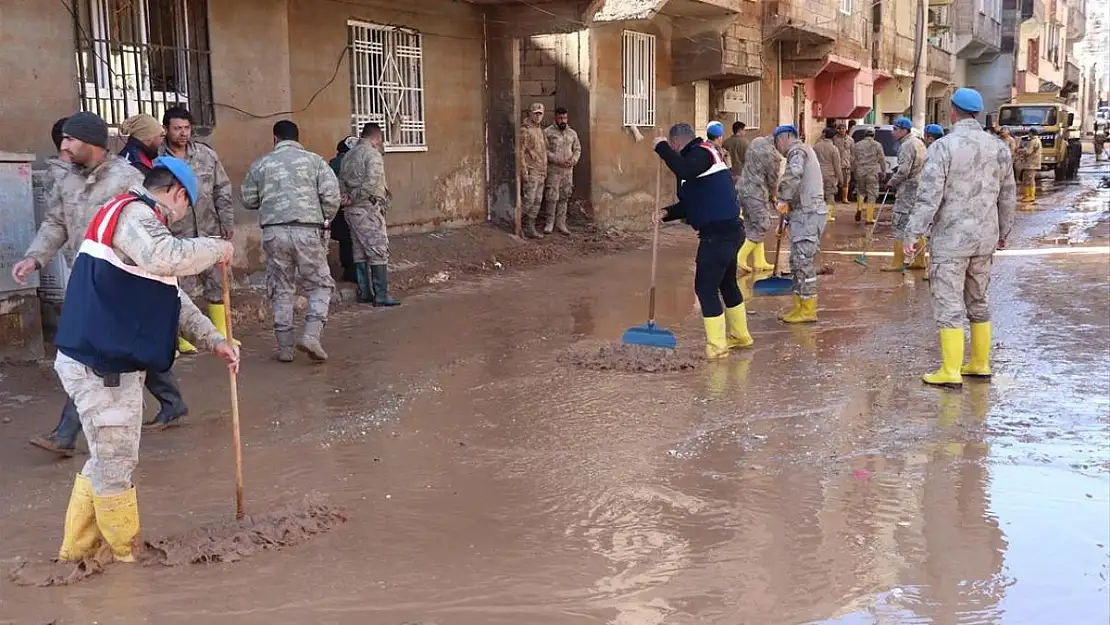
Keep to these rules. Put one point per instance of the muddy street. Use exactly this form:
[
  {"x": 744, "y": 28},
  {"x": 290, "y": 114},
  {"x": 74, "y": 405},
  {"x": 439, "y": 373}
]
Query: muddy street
[{"x": 489, "y": 480}]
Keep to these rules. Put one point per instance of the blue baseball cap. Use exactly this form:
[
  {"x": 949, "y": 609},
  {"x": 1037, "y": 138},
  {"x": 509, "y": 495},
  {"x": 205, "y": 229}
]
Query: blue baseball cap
[
  {"x": 785, "y": 128},
  {"x": 968, "y": 100},
  {"x": 904, "y": 123},
  {"x": 714, "y": 130},
  {"x": 934, "y": 129},
  {"x": 180, "y": 170}
]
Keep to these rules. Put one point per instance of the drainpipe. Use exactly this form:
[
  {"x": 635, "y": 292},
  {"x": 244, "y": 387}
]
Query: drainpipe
[
  {"x": 778, "y": 84},
  {"x": 485, "y": 117},
  {"x": 920, "y": 79}
]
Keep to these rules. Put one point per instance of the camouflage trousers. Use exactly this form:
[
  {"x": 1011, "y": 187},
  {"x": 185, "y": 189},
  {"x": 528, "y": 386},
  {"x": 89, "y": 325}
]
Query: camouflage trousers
[
  {"x": 805, "y": 242},
  {"x": 756, "y": 211},
  {"x": 959, "y": 288},
  {"x": 867, "y": 185},
  {"x": 832, "y": 186},
  {"x": 369, "y": 237},
  {"x": 531, "y": 194},
  {"x": 112, "y": 418},
  {"x": 557, "y": 189},
  {"x": 1029, "y": 178},
  {"x": 208, "y": 284},
  {"x": 296, "y": 256}
]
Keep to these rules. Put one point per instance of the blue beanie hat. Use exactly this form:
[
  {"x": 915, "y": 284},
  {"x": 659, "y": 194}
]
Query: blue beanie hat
[
  {"x": 968, "y": 100},
  {"x": 184, "y": 174},
  {"x": 785, "y": 128},
  {"x": 904, "y": 123},
  {"x": 935, "y": 130},
  {"x": 714, "y": 130}
]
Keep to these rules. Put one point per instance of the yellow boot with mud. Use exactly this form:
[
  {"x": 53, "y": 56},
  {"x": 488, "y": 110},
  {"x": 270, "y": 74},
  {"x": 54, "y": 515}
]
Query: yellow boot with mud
[
  {"x": 896, "y": 263},
  {"x": 117, "y": 517},
  {"x": 832, "y": 211},
  {"x": 951, "y": 357},
  {"x": 736, "y": 319},
  {"x": 742, "y": 256},
  {"x": 859, "y": 207},
  {"x": 759, "y": 258},
  {"x": 805, "y": 311},
  {"x": 716, "y": 341},
  {"x": 979, "y": 364},
  {"x": 216, "y": 313},
  {"x": 919, "y": 260},
  {"x": 870, "y": 214},
  {"x": 185, "y": 347},
  {"x": 81, "y": 536},
  {"x": 793, "y": 311}
]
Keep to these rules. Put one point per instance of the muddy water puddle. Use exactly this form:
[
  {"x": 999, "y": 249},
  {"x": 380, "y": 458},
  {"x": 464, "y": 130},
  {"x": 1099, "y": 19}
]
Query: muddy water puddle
[{"x": 811, "y": 479}]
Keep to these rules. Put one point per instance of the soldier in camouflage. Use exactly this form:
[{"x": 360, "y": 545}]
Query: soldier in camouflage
[
  {"x": 1030, "y": 158},
  {"x": 869, "y": 163},
  {"x": 904, "y": 181},
  {"x": 100, "y": 363},
  {"x": 212, "y": 216},
  {"x": 296, "y": 195},
  {"x": 844, "y": 143},
  {"x": 967, "y": 195},
  {"x": 800, "y": 195},
  {"x": 563, "y": 153},
  {"x": 832, "y": 168},
  {"x": 533, "y": 169},
  {"x": 365, "y": 203},
  {"x": 756, "y": 188}
]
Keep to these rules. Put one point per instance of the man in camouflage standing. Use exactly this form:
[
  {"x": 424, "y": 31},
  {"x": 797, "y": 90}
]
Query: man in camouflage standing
[
  {"x": 533, "y": 169},
  {"x": 800, "y": 194},
  {"x": 1030, "y": 153},
  {"x": 756, "y": 189},
  {"x": 563, "y": 152},
  {"x": 296, "y": 195},
  {"x": 869, "y": 163},
  {"x": 844, "y": 143},
  {"x": 832, "y": 170},
  {"x": 365, "y": 203},
  {"x": 904, "y": 181},
  {"x": 967, "y": 195},
  {"x": 212, "y": 216}
]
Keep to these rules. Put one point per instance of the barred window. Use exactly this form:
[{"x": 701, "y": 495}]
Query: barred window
[
  {"x": 743, "y": 102},
  {"x": 143, "y": 56},
  {"x": 638, "y": 84},
  {"x": 387, "y": 83}
]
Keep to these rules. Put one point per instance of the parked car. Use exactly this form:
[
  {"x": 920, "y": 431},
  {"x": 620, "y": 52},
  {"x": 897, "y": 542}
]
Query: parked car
[{"x": 885, "y": 136}]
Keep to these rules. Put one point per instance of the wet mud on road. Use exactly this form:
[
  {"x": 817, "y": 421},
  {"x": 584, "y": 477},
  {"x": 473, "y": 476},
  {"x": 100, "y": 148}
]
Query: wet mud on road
[{"x": 811, "y": 479}]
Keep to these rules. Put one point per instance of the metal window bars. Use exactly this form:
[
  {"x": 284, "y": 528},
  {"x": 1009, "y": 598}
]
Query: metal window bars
[
  {"x": 143, "y": 56},
  {"x": 387, "y": 83},
  {"x": 638, "y": 78}
]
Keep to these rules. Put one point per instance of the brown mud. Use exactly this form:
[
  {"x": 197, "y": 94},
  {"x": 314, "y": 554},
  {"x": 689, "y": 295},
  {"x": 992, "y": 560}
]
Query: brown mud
[{"x": 632, "y": 358}]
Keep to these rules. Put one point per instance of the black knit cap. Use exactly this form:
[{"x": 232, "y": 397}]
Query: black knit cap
[{"x": 87, "y": 127}]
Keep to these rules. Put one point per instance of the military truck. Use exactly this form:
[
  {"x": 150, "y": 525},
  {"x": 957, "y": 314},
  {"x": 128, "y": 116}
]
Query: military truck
[{"x": 1057, "y": 124}]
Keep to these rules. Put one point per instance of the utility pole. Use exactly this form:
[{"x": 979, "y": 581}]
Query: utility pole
[{"x": 921, "y": 54}]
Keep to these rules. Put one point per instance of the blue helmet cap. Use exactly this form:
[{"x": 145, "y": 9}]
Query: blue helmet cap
[
  {"x": 714, "y": 130},
  {"x": 934, "y": 129},
  {"x": 904, "y": 123},
  {"x": 968, "y": 100},
  {"x": 180, "y": 170},
  {"x": 785, "y": 128}
]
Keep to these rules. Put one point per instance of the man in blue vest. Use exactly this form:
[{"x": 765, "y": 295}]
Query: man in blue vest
[
  {"x": 707, "y": 202},
  {"x": 122, "y": 316}
]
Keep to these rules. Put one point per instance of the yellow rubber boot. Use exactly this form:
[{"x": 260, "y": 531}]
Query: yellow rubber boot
[
  {"x": 832, "y": 211},
  {"x": 117, "y": 517},
  {"x": 216, "y": 313},
  {"x": 870, "y": 213},
  {"x": 759, "y": 258},
  {"x": 896, "y": 263},
  {"x": 185, "y": 347},
  {"x": 806, "y": 312},
  {"x": 979, "y": 364},
  {"x": 793, "y": 311},
  {"x": 919, "y": 260},
  {"x": 859, "y": 207},
  {"x": 736, "y": 319},
  {"x": 742, "y": 256},
  {"x": 81, "y": 536},
  {"x": 951, "y": 357},
  {"x": 716, "y": 341}
]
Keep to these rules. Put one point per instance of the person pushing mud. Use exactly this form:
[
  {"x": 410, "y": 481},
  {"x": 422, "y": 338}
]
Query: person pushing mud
[{"x": 707, "y": 202}]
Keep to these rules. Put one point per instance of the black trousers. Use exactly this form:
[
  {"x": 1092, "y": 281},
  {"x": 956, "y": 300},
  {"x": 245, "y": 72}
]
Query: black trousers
[
  {"x": 715, "y": 272},
  {"x": 341, "y": 232}
]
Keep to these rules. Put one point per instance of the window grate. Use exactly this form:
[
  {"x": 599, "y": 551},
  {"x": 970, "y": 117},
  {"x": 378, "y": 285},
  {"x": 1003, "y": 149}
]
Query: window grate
[
  {"x": 846, "y": 7},
  {"x": 638, "y": 78},
  {"x": 143, "y": 56},
  {"x": 387, "y": 84},
  {"x": 743, "y": 102}
]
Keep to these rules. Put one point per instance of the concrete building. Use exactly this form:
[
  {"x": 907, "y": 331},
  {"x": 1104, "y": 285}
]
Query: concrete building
[{"x": 977, "y": 32}]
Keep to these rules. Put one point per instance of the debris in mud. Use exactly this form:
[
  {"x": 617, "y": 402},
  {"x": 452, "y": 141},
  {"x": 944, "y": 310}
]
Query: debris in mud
[
  {"x": 631, "y": 358},
  {"x": 222, "y": 541},
  {"x": 825, "y": 270}
]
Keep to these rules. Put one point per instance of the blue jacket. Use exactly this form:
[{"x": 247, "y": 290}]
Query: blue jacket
[
  {"x": 117, "y": 318},
  {"x": 706, "y": 196},
  {"x": 138, "y": 155}
]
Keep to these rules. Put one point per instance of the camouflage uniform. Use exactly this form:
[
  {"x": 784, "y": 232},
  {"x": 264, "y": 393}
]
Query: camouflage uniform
[
  {"x": 844, "y": 144},
  {"x": 967, "y": 194},
  {"x": 756, "y": 186},
  {"x": 533, "y": 163},
  {"x": 911, "y": 159},
  {"x": 296, "y": 193},
  {"x": 362, "y": 181},
  {"x": 212, "y": 216},
  {"x": 1030, "y": 162},
  {"x": 801, "y": 187},
  {"x": 832, "y": 170},
  {"x": 562, "y": 147},
  {"x": 112, "y": 417},
  {"x": 1012, "y": 143},
  {"x": 737, "y": 147},
  {"x": 869, "y": 161}
]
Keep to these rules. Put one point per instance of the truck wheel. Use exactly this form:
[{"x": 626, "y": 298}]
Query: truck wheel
[{"x": 1062, "y": 172}]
